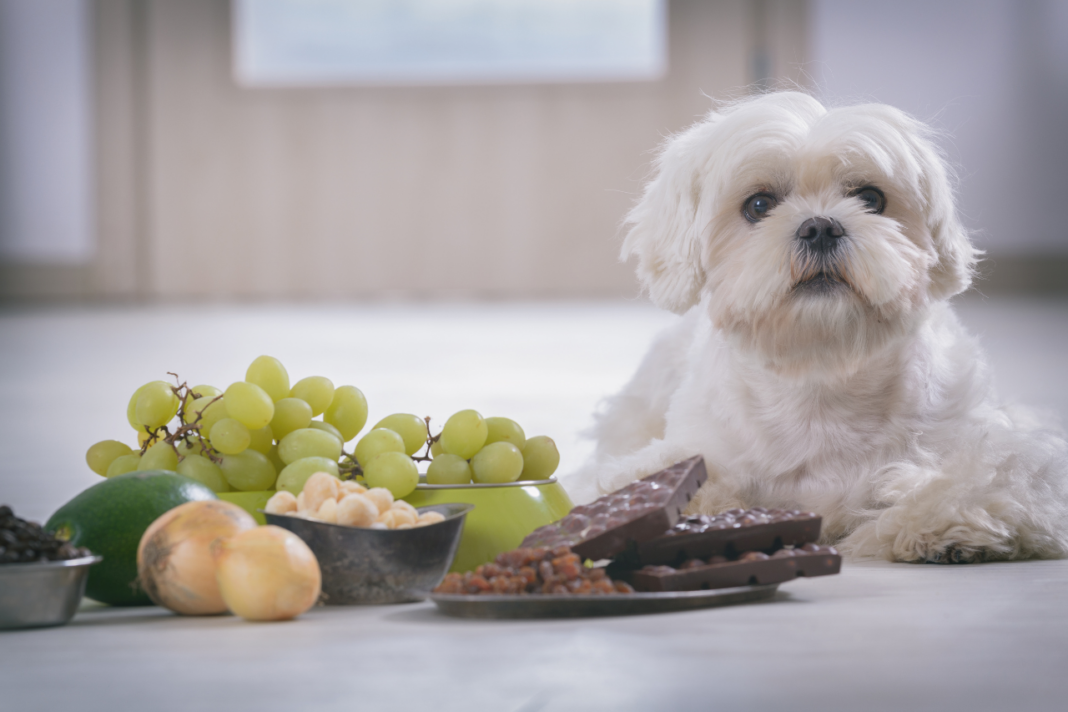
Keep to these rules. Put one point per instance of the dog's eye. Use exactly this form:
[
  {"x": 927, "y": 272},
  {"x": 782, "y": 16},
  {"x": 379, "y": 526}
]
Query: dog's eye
[
  {"x": 873, "y": 199},
  {"x": 757, "y": 206}
]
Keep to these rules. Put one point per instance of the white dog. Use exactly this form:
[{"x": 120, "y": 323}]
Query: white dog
[{"x": 819, "y": 364}]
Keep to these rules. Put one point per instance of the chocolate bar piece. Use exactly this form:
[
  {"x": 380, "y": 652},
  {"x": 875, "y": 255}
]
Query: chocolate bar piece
[
  {"x": 728, "y": 534},
  {"x": 611, "y": 524},
  {"x": 751, "y": 568}
]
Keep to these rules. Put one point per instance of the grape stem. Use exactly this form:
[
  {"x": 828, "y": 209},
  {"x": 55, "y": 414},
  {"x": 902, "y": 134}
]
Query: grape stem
[
  {"x": 347, "y": 467},
  {"x": 430, "y": 440},
  {"x": 186, "y": 432}
]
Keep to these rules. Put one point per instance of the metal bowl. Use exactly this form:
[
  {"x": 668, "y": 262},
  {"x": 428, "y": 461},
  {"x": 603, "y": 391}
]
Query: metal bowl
[
  {"x": 363, "y": 566},
  {"x": 42, "y": 593}
]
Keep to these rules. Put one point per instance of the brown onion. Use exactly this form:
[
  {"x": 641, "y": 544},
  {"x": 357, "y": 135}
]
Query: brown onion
[
  {"x": 266, "y": 574},
  {"x": 174, "y": 562}
]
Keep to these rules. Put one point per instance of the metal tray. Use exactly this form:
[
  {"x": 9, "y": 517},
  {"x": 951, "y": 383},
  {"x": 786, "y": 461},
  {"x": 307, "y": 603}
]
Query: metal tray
[{"x": 625, "y": 604}]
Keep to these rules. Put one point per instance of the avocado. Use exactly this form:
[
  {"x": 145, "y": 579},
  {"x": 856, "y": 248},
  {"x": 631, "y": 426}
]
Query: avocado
[{"x": 110, "y": 517}]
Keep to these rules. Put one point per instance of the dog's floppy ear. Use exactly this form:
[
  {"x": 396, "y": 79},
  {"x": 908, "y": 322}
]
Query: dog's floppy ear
[
  {"x": 953, "y": 272},
  {"x": 667, "y": 223}
]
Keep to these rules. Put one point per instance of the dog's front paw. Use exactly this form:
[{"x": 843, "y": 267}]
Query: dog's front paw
[
  {"x": 953, "y": 545},
  {"x": 957, "y": 554}
]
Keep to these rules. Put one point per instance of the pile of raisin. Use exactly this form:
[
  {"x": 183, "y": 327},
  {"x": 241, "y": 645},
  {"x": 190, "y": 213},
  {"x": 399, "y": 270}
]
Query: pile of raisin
[
  {"x": 22, "y": 542},
  {"x": 534, "y": 570}
]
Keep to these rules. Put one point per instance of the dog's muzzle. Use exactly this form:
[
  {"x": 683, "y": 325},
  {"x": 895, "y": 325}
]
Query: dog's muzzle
[
  {"x": 816, "y": 266},
  {"x": 820, "y": 235}
]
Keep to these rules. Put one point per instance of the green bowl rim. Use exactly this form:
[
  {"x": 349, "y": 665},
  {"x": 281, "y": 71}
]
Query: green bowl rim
[{"x": 551, "y": 479}]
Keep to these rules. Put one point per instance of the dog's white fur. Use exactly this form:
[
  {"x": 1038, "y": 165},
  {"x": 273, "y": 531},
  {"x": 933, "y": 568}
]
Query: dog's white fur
[{"x": 867, "y": 403}]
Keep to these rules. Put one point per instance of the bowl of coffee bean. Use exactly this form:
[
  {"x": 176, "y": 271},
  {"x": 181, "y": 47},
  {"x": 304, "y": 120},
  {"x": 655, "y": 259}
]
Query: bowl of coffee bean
[{"x": 42, "y": 578}]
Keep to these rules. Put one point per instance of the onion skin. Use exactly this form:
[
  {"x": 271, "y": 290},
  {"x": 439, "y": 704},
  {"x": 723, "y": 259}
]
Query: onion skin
[
  {"x": 174, "y": 563},
  {"x": 266, "y": 574}
]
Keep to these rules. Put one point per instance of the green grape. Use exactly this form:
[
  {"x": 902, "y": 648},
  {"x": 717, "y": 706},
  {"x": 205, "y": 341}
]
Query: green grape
[
  {"x": 377, "y": 442},
  {"x": 290, "y": 414},
  {"x": 131, "y": 407},
  {"x": 206, "y": 391},
  {"x": 230, "y": 437},
  {"x": 504, "y": 430},
  {"x": 131, "y": 411},
  {"x": 156, "y": 405},
  {"x": 275, "y": 460},
  {"x": 160, "y": 456},
  {"x": 123, "y": 464},
  {"x": 269, "y": 374},
  {"x": 293, "y": 477},
  {"x": 393, "y": 470},
  {"x": 326, "y": 428},
  {"x": 249, "y": 404},
  {"x": 308, "y": 442},
  {"x": 188, "y": 447},
  {"x": 150, "y": 438},
  {"x": 316, "y": 391},
  {"x": 464, "y": 434},
  {"x": 411, "y": 428},
  {"x": 347, "y": 411},
  {"x": 248, "y": 471},
  {"x": 213, "y": 411},
  {"x": 435, "y": 448},
  {"x": 100, "y": 455},
  {"x": 497, "y": 462},
  {"x": 201, "y": 391},
  {"x": 448, "y": 469},
  {"x": 203, "y": 470},
  {"x": 261, "y": 440},
  {"x": 540, "y": 458}
]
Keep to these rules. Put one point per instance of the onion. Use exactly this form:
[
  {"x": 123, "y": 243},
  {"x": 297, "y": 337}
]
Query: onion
[
  {"x": 174, "y": 562},
  {"x": 266, "y": 574}
]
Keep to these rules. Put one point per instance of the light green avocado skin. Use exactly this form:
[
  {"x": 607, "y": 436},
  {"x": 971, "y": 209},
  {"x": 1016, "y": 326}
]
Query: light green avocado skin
[{"x": 109, "y": 519}]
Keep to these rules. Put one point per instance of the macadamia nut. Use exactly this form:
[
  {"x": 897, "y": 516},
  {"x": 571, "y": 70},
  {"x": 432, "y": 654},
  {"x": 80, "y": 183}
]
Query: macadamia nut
[
  {"x": 350, "y": 487},
  {"x": 403, "y": 515},
  {"x": 429, "y": 518},
  {"x": 382, "y": 498},
  {"x": 356, "y": 510},
  {"x": 328, "y": 511},
  {"x": 320, "y": 487},
  {"x": 281, "y": 502}
]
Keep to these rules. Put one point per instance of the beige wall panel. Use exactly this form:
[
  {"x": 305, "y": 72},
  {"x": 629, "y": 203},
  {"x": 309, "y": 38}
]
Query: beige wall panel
[
  {"x": 510, "y": 191},
  {"x": 116, "y": 268}
]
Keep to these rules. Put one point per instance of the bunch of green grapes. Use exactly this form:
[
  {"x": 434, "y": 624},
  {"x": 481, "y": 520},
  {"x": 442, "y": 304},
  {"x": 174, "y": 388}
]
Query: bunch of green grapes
[
  {"x": 488, "y": 450},
  {"x": 258, "y": 434},
  {"x": 261, "y": 434},
  {"x": 468, "y": 448}
]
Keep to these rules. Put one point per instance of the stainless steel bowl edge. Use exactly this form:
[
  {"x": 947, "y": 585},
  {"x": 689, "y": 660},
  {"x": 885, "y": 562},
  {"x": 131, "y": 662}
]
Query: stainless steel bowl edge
[{"x": 42, "y": 593}]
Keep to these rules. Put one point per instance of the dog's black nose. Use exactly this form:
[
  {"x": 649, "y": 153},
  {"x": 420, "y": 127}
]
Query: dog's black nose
[{"x": 820, "y": 234}]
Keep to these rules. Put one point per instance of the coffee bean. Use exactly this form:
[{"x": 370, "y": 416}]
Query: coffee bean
[{"x": 22, "y": 541}]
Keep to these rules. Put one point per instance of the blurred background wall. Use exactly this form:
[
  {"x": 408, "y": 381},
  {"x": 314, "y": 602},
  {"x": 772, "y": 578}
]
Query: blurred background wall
[{"x": 133, "y": 165}]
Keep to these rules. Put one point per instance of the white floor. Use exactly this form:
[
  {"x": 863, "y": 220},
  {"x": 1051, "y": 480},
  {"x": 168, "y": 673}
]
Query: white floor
[{"x": 879, "y": 636}]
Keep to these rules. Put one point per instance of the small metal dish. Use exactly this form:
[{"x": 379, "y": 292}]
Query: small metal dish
[
  {"x": 42, "y": 593},
  {"x": 364, "y": 566}
]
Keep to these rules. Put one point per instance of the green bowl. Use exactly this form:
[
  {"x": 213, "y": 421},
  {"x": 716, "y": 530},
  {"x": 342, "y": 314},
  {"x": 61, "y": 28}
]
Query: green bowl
[
  {"x": 503, "y": 515},
  {"x": 251, "y": 502}
]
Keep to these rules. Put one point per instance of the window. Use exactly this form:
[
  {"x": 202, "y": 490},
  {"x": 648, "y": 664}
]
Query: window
[{"x": 421, "y": 42}]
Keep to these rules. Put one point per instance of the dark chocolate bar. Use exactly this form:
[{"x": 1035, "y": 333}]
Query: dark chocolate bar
[
  {"x": 750, "y": 569},
  {"x": 728, "y": 534},
  {"x": 615, "y": 522}
]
